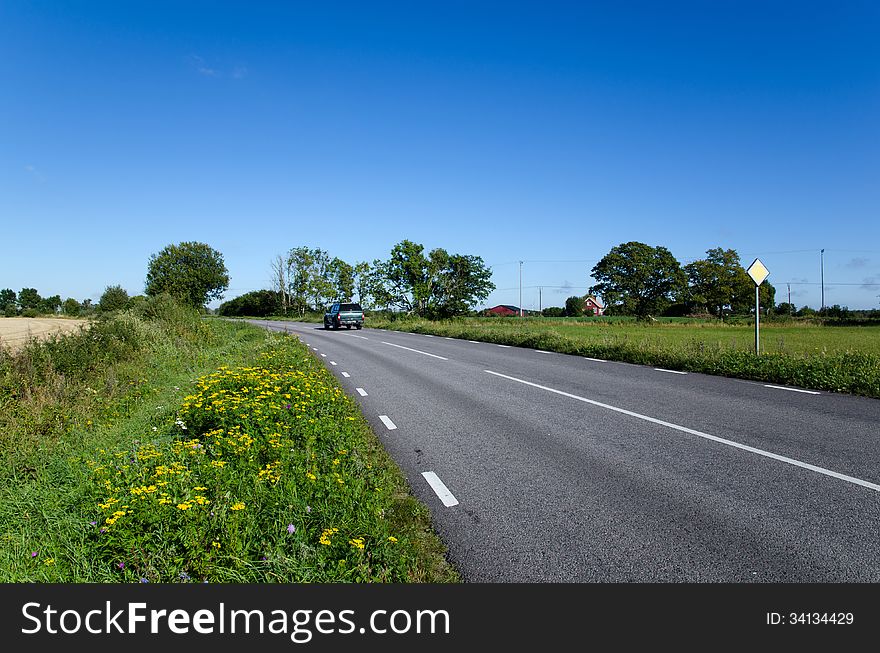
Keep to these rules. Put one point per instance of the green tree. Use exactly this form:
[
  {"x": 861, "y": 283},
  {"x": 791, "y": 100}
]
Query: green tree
[
  {"x": 190, "y": 271},
  {"x": 299, "y": 262},
  {"x": 363, "y": 282},
  {"x": 574, "y": 307},
  {"x": 784, "y": 308},
  {"x": 715, "y": 281},
  {"x": 341, "y": 280},
  {"x": 258, "y": 303},
  {"x": 29, "y": 298},
  {"x": 437, "y": 285},
  {"x": 7, "y": 296},
  {"x": 637, "y": 279},
  {"x": 115, "y": 298},
  {"x": 553, "y": 311},
  {"x": 50, "y": 305},
  {"x": 71, "y": 307}
]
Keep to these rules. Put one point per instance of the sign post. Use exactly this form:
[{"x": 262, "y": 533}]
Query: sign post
[{"x": 758, "y": 273}]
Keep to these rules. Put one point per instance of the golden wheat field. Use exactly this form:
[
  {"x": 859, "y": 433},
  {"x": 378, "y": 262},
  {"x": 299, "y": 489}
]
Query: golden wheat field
[{"x": 16, "y": 331}]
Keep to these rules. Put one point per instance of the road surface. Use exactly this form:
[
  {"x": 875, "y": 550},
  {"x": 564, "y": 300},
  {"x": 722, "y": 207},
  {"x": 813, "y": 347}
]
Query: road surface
[{"x": 544, "y": 467}]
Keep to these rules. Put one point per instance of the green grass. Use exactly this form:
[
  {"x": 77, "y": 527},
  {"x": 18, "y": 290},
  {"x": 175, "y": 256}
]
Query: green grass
[
  {"x": 835, "y": 358},
  {"x": 85, "y": 433}
]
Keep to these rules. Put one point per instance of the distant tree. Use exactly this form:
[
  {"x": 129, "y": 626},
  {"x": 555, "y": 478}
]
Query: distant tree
[
  {"x": 553, "y": 311},
  {"x": 29, "y": 298},
  {"x": 192, "y": 272},
  {"x": 363, "y": 282},
  {"x": 71, "y": 307},
  {"x": 299, "y": 266},
  {"x": 806, "y": 311},
  {"x": 341, "y": 276},
  {"x": 258, "y": 303},
  {"x": 437, "y": 285},
  {"x": 637, "y": 279},
  {"x": 281, "y": 280},
  {"x": 115, "y": 298},
  {"x": 784, "y": 308},
  {"x": 574, "y": 307},
  {"x": 715, "y": 281},
  {"x": 836, "y": 311},
  {"x": 50, "y": 305},
  {"x": 743, "y": 301},
  {"x": 7, "y": 296}
]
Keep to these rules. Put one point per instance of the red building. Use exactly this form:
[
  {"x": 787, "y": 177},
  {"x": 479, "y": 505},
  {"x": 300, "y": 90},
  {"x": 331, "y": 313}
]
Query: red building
[
  {"x": 592, "y": 305},
  {"x": 503, "y": 310}
]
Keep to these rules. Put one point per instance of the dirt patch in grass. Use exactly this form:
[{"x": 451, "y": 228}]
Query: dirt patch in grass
[{"x": 15, "y": 332}]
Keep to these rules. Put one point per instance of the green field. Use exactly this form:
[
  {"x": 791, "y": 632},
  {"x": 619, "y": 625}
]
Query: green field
[{"x": 835, "y": 358}]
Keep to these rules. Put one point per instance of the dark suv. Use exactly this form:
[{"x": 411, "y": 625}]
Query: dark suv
[{"x": 347, "y": 315}]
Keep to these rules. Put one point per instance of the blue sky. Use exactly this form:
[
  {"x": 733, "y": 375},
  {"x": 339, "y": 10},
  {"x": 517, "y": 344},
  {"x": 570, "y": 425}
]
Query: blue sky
[{"x": 543, "y": 132}]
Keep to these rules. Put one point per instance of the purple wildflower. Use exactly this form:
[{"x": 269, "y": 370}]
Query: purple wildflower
[
  {"x": 121, "y": 565},
  {"x": 291, "y": 529},
  {"x": 34, "y": 554},
  {"x": 93, "y": 523},
  {"x": 287, "y": 406},
  {"x": 308, "y": 509},
  {"x": 144, "y": 580}
]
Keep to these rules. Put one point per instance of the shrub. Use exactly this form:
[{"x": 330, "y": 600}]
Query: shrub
[{"x": 115, "y": 298}]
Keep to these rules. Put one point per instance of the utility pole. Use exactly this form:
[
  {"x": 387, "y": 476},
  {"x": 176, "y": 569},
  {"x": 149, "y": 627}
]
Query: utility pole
[
  {"x": 540, "y": 305},
  {"x": 789, "y": 299},
  {"x": 520, "y": 288},
  {"x": 822, "y": 266}
]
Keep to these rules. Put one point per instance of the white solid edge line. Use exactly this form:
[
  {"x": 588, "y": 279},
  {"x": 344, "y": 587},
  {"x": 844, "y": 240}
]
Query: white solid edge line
[
  {"x": 427, "y": 335},
  {"x": 361, "y": 392},
  {"x": 714, "y": 438},
  {"x": 660, "y": 369},
  {"x": 474, "y": 341},
  {"x": 333, "y": 362},
  {"x": 387, "y": 422},
  {"x": 448, "y": 338},
  {"x": 506, "y": 346},
  {"x": 780, "y": 387},
  {"x": 440, "y": 489},
  {"x": 418, "y": 351},
  {"x": 598, "y": 360},
  {"x": 541, "y": 351},
  {"x": 346, "y": 375}
]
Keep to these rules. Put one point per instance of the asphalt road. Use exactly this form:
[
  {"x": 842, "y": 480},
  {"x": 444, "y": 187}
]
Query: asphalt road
[{"x": 560, "y": 468}]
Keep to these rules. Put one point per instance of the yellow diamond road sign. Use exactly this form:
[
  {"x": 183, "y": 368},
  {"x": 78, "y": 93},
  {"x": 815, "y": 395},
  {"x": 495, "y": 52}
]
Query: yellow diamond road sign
[{"x": 758, "y": 272}]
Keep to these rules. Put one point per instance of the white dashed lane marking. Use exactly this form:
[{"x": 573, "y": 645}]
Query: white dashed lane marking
[
  {"x": 440, "y": 489},
  {"x": 346, "y": 375},
  {"x": 660, "y": 369},
  {"x": 361, "y": 392},
  {"x": 418, "y": 351},
  {"x": 806, "y": 392},
  {"x": 333, "y": 362},
  {"x": 387, "y": 422}
]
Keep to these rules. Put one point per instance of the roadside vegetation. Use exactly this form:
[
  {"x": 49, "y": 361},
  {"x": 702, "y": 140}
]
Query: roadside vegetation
[{"x": 158, "y": 447}]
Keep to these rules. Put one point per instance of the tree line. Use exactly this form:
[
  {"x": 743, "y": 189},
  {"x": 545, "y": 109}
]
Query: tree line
[
  {"x": 192, "y": 272},
  {"x": 434, "y": 284},
  {"x": 641, "y": 280}
]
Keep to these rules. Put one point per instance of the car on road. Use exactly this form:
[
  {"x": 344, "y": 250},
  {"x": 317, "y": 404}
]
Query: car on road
[{"x": 347, "y": 315}]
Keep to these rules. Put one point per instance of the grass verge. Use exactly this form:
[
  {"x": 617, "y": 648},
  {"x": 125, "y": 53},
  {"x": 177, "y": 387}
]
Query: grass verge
[{"x": 157, "y": 448}]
